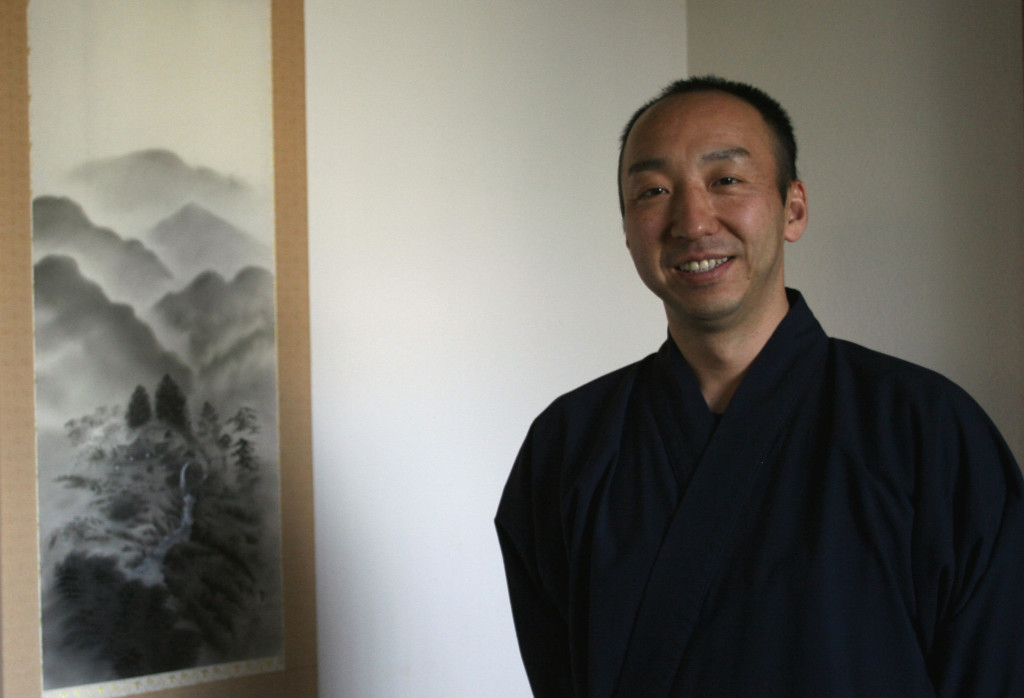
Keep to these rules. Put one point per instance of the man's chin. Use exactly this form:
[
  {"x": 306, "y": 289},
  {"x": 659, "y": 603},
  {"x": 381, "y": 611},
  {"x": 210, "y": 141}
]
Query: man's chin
[{"x": 708, "y": 316}]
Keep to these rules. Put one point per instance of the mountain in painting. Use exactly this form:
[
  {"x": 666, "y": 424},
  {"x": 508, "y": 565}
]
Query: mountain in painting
[
  {"x": 135, "y": 190},
  {"x": 228, "y": 328},
  {"x": 194, "y": 240},
  {"x": 90, "y": 350},
  {"x": 154, "y": 177},
  {"x": 127, "y": 269}
]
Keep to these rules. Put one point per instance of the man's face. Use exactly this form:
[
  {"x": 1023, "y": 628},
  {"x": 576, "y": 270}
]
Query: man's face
[{"x": 703, "y": 219}]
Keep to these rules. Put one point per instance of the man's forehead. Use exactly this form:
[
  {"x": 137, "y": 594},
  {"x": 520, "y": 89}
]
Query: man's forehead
[
  {"x": 677, "y": 112},
  {"x": 727, "y": 122}
]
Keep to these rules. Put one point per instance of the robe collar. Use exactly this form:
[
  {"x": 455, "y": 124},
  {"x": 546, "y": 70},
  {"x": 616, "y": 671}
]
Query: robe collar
[
  {"x": 741, "y": 447},
  {"x": 684, "y": 419}
]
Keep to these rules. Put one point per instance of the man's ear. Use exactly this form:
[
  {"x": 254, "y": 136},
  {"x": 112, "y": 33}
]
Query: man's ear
[{"x": 796, "y": 211}]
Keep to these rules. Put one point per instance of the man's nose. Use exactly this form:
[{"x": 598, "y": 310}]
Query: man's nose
[{"x": 693, "y": 214}]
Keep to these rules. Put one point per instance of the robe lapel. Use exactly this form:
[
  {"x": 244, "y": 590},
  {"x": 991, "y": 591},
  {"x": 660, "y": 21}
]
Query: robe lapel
[
  {"x": 700, "y": 532},
  {"x": 684, "y": 422},
  {"x": 665, "y": 428}
]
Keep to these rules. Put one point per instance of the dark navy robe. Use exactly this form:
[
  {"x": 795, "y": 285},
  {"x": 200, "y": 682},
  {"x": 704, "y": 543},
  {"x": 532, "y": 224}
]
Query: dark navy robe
[{"x": 853, "y": 525}]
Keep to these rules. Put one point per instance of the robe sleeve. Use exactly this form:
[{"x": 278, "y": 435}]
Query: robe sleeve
[
  {"x": 974, "y": 602},
  {"x": 526, "y": 531}
]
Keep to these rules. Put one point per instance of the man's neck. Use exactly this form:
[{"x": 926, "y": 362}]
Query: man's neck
[{"x": 720, "y": 358}]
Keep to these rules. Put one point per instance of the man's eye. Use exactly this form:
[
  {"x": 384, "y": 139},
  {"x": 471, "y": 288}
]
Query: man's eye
[
  {"x": 653, "y": 191},
  {"x": 727, "y": 181}
]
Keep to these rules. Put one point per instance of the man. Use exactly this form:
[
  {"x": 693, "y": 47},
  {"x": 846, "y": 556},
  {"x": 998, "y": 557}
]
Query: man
[{"x": 756, "y": 509}]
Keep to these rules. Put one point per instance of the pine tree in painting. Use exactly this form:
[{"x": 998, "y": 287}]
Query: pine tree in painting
[
  {"x": 171, "y": 406},
  {"x": 139, "y": 411},
  {"x": 245, "y": 455}
]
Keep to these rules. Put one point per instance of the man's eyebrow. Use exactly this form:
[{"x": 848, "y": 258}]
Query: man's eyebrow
[
  {"x": 726, "y": 154},
  {"x": 714, "y": 156},
  {"x": 648, "y": 164}
]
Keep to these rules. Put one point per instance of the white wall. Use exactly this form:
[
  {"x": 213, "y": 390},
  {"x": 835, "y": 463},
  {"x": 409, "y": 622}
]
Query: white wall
[
  {"x": 467, "y": 266},
  {"x": 911, "y": 121}
]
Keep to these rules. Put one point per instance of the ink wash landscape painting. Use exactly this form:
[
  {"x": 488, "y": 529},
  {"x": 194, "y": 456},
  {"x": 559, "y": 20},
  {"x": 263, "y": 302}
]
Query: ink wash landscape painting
[{"x": 156, "y": 361}]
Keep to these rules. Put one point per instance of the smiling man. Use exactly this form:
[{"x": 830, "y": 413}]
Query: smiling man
[
  {"x": 756, "y": 509},
  {"x": 705, "y": 217}
]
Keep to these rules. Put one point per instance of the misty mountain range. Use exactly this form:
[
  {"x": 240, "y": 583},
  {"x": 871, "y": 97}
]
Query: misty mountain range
[
  {"x": 152, "y": 178},
  {"x": 142, "y": 188},
  {"x": 193, "y": 240},
  {"x": 181, "y": 246},
  {"x": 89, "y": 350},
  {"x": 194, "y": 298},
  {"x": 229, "y": 327}
]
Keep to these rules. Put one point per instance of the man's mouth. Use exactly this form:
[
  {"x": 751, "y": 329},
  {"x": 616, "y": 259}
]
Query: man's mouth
[{"x": 695, "y": 266}]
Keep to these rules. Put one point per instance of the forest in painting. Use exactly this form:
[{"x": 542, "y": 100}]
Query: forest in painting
[{"x": 156, "y": 421}]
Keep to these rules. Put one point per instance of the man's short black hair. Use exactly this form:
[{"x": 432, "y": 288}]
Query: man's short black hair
[{"x": 771, "y": 111}]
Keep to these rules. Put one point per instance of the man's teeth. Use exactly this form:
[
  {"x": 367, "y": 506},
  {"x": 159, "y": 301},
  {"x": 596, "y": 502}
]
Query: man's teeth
[{"x": 704, "y": 264}]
